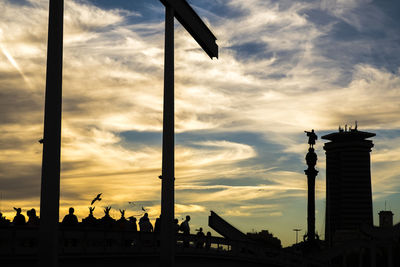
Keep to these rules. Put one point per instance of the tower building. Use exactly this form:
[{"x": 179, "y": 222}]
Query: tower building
[{"x": 348, "y": 182}]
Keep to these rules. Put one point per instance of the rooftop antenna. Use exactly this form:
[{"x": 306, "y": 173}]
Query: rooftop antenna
[
  {"x": 385, "y": 205},
  {"x": 356, "y": 126}
]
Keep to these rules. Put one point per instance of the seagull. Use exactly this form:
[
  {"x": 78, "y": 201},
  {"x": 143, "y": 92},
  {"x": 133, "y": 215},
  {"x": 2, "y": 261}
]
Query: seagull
[
  {"x": 131, "y": 203},
  {"x": 96, "y": 198},
  {"x": 143, "y": 209}
]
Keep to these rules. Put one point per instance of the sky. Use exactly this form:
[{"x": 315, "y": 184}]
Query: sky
[{"x": 284, "y": 67}]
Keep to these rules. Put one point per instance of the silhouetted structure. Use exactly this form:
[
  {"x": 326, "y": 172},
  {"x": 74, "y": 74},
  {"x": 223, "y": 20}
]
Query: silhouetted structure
[
  {"x": 90, "y": 220},
  {"x": 189, "y": 19},
  {"x": 386, "y": 219},
  {"x": 107, "y": 221},
  {"x": 311, "y": 172},
  {"x": 348, "y": 183}
]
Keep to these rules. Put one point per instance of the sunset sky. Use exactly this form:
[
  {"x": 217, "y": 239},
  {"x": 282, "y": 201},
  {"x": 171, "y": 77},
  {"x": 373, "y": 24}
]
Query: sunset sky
[{"x": 284, "y": 67}]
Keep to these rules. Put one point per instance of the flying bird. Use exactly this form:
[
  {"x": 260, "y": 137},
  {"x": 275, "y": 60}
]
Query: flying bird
[
  {"x": 96, "y": 198},
  {"x": 131, "y": 203},
  {"x": 143, "y": 209}
]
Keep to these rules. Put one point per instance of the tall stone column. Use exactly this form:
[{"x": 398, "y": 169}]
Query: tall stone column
[{"x": 311, "y": 172}]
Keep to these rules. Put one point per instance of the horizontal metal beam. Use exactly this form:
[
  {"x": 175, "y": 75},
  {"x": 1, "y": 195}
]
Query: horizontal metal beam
[{"x": 189, "y": 19}]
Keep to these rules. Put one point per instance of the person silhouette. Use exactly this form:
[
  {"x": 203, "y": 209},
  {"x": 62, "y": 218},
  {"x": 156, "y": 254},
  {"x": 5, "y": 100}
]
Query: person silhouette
[
  {"x": 176, "y": 225},
  {"x": 185, "y": 228},
  {"x": 70, "y": 219},
  {"x": 4, "y": 222},
  {"x": 19, "y": 219},
  {"x": 208, "y": 240},
  {"x": 200, "y": 238},
  {"x": 145, "y": 224},
  {"x": 157, "y": 225},
  {"x": 33, "y": 220},
  {"x": 132, "y": 223}
]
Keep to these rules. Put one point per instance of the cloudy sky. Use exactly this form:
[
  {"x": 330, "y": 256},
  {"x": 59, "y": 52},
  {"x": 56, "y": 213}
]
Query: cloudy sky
[{"x": 284, "y": 67}]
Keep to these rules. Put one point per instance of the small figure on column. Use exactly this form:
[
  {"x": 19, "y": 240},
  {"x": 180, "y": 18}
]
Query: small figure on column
[{"x": 311, "y": 138}]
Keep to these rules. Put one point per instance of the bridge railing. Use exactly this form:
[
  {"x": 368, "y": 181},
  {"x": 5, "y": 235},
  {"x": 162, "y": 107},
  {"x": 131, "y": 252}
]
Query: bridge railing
[{"x": 24, "y": 241}]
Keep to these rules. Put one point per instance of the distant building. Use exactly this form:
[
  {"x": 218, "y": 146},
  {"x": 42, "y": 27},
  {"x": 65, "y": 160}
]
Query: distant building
[
  {"x": 385, "y": 219},
  {"x": 348, "y": 183}
]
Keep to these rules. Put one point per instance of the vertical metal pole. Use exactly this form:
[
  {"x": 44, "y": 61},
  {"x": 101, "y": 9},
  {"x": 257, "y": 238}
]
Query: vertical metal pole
[
  {"x": 168, "y": 165},
  {"x": 50, "y": 187}
]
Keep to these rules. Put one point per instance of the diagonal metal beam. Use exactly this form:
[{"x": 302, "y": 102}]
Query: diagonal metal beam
[{"x": 189, "y": 19}]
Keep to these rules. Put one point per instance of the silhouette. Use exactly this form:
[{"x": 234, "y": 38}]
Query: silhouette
[
  {"x": 311, "y": 137},
  {"x": 208, "y": 241},
  {"x": 348, "y": 183},
  {"x": 311, "y": 172},
  {"x": 204, "y": 37},
  {"x": 143, "y": 209},
  {"x": 90, "y": 221},
  {"x": 145, "y": 224},
  {"x": 96, "y": 198},
  {"x": 33, "y": 220},
  {"x": 122, "y": 223},
  {"x": 107, "y": 221},
  {"x": 157, "y": 225},
  {"x": 176, "y": 226},
  {"x": 19, "y": 219},
  {"x": 185, "y": 228},
  {"x": 70, "y": 220},
  {"x": 41, "y": 141},
  {"x": 132, "y": 223},
  {"x": 200, "y": 238},
  {"x": 3, "y": 221}
]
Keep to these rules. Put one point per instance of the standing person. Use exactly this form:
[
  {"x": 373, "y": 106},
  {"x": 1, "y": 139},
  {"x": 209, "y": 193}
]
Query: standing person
[
  {"x": 19, "y": 219},
  {"x": 200, "y": 238},
  {"x": 70, "y": 219},
  {"x": 145, "y": 224},
  {"x": 185, "y": 228},
  {"x": 33, "y": 219}
]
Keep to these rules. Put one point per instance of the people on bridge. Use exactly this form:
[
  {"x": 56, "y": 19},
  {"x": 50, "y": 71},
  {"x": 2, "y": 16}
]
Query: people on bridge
[
  {"x": 176, "y": 225},
  {"x": 33, "y": 219},
  {"x": 132, "y": 224},
  {"x": 185, "y": 228},
  {"x": 122, "y": 223},
  {"x": 3, "y": 221},
  {"x": 70, "y": 220},
  {"x": 157, "y": 225},
  {"x": 19, "y": 219},
  {"x": 145, "y": 224},
  {"x": 208, "y": 240},
  {"x": 200, "y": 238}
]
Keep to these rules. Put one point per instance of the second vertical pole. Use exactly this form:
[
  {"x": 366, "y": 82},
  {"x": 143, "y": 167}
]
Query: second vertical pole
[
  {"x": 50, "y": 186},
  {"x": 168, "y": 157}
]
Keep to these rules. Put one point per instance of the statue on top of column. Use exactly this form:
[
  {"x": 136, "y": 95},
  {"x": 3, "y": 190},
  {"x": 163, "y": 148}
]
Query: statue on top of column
[{"x": 311, "y": 138}]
